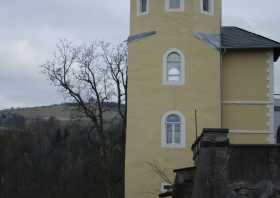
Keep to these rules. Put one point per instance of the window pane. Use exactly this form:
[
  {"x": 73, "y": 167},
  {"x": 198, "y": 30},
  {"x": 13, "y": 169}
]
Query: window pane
[
  {"x": 143, "y": 6},
  {"x": 169, "y": 133},
  {"x": 178, "y": 128},
  {"x": 176, "y": 65},
  {"x": 173, "y": 57},
  {"x": 174, "y": 79},
  {"x": 174, "y": 4},
  {"x": 177, "y": 138},
  {"x": 177, "y": 133},
  {"x": 206, "y": 5},
  {"x": 173, "y": 118},
  {"x": 174, "y": 72}
]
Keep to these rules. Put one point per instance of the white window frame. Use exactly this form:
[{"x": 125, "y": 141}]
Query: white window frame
[
  {"x": 164, "y": 65},
  {"x": 139, "y": 13},
  {"x": 162, "y": 187},
  {"x": 212, "y": 8},
  {"x": 183, "y": 131},
  {"x": 182, "y": 6}
]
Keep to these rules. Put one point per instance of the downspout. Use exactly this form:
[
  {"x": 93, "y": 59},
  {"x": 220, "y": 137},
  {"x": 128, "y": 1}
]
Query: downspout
[{"x": 221, "y": 64}]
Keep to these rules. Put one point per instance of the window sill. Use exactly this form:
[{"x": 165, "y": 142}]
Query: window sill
[
  {"x": 173, "y": 84},
  {"x": 207, "y": 13},
  {"x": 173, "y": 146},
  {"x": 142, "y": 14},
  {"x": 175, "y": 10}
]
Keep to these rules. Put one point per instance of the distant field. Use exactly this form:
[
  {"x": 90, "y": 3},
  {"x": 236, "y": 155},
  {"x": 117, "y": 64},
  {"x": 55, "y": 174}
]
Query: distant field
[{"x": 63, "y": 112}]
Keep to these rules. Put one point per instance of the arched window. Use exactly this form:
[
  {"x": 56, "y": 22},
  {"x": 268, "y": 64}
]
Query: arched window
[
  {"x": 173, "y": 67},
  {"x": 173, "y": 130}
]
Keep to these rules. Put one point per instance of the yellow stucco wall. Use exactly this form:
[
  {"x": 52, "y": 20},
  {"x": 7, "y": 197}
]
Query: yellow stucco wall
[
  {"x": 246, "y": 95},
  {"x": 245, "y": 75},
  {"x": 149, "y": 99},
  {"x": 219, "y": 93},
  {"x": 246, "y": 117},
  {"x": 179, "y": 23}
]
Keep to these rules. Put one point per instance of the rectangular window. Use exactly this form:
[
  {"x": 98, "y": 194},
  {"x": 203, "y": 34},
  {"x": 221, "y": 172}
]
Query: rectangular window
[
  {"x": 174, "y": 5},
  {"x": 206, "y": 5},
  {"x": 143, "y": 7}
]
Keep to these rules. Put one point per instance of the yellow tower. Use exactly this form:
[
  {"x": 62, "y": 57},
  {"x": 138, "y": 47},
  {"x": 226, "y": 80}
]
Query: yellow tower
[{"x": 171, "y": 75}]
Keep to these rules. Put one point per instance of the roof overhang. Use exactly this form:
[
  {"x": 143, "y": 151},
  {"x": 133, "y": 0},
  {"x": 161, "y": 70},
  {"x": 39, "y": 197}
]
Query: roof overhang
[
  {"x": 214, "y": 40},
  {"x": 211, "y": 39},
  {"x": 140, "y": 36}
]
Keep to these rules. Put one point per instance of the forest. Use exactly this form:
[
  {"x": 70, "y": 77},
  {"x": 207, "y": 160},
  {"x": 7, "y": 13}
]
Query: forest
[{"x": 43, "y": 158}]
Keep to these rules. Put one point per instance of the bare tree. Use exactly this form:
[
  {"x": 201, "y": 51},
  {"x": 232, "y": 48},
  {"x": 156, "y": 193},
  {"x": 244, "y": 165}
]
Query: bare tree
[
  {"x": 93, "y": 75},
  {"x": 116, "y": 61},
  {"x": 160, "y": 172}
]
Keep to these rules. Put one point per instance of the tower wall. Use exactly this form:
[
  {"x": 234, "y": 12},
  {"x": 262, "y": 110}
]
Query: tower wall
[{"x": 149, "y": 99}]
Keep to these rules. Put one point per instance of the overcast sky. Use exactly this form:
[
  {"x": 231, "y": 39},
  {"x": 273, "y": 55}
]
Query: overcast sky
[{"x": 30, "y": 30}]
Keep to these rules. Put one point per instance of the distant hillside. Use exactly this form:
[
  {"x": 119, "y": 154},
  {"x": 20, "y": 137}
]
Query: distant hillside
[{"x": 62, "y": 112}]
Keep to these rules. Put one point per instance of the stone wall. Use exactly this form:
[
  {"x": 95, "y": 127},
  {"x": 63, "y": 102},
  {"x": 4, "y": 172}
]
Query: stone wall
[{"x": 224, "y": 170}]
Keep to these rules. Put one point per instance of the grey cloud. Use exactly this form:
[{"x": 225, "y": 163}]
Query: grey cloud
[
  {"x": 26, "y": 90},
  {"x": 82, "y": 20},
  {"x": 30, "y": 30}
]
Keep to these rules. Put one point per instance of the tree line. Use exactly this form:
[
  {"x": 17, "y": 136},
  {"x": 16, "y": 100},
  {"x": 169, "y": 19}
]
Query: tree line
[{"x": 49, "y": 159}]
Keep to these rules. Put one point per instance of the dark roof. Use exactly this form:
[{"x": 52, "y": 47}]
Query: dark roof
[
  {"x": 234, "y": 37},
  {"x": 237, "y": 38},
  {"x": 140, "y": 36}
]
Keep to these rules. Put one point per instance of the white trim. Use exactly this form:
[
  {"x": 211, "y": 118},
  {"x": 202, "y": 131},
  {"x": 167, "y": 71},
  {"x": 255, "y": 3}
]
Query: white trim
[
  {"x": 183, "y": 131},
  {"x": 252, "y": 131},
  {"x": 139, "y": 13},
  {"x": 247, "y": 102},
  {"x": 212, "y": 8},
  {"x": 164, "y": 65},
  {"x": 270, "y": 85},
  {"x": 182, "y": 6}
]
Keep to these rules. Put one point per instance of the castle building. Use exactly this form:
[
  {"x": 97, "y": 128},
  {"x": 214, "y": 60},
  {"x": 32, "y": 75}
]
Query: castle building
[{"x": 186, "y": 72}]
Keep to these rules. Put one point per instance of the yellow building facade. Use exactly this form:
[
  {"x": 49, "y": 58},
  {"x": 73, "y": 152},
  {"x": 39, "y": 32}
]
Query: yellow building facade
[
  {"x": 181, "y": 80},
  {"x": 247, "y": 106}
]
